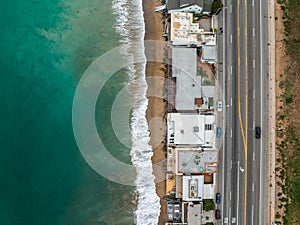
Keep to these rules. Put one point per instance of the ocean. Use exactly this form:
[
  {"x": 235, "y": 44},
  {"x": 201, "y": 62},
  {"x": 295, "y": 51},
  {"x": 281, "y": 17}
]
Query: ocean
[{"x": 45, "y": 48}]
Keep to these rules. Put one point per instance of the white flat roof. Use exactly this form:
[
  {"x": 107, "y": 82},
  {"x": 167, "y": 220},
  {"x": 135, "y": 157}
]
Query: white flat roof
[
  {"x": 191, "y": 129},
  {"x": 188, "y": 84},
  {"x": 194, "y": 189}
]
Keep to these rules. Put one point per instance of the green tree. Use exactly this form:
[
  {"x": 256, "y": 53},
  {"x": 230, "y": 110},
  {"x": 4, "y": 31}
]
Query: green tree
[
  {"x": 217, "y": 5},
  {"x": 209, "y": 223},
  {"x": 208, "y": 204}
]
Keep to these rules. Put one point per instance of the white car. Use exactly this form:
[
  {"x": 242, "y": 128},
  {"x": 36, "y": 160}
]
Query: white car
[
  {"x": 219, "y": 106},
  {"x": 233, "y": 220},
  {"x": 226, "y": 220}
]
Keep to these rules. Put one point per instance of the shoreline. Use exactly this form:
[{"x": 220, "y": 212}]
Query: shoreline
[{"x": 156, "y": 110}]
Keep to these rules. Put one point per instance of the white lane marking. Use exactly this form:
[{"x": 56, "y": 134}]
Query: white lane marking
[
  {"x": 231, "y": 164},
  {"x": 231, "y": 38},
  {"x": 253, "y": 94},
  {"x": 231, "y": 102},
  {"x": 253, "y": 33},
  {"x": 253, "y": 187},
  {"x": 253, "y": 3},
  {"x": 230, "y": 8},
  {"x": 261, "y": 110},
  {"x": 253, "y": 64},
  {"x": 231, "y": 133},
  {"x": 230, "y": 196},
  {"x": 231, "y": 70},
  {"x": 253, "y": 125},
  {"x": 253, "y": 156},
  {"x": 229, "y": 213},
  {"x": 238, "y": 193},
  {"x": 252, "y": 214}
]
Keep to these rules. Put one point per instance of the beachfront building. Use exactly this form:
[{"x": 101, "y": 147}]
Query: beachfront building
[
  {"x": 196, "y": 161},
  {"x": 197, "y": 130},
  {"x": 189, "y": 192},
  {"x": 192, "y": 6},
  {"x": 192, "y": 214},
  {"x": 185, "y": 32},
  {"x": 195, "y": 190},
  {"x": 185, "y": 90},
  {"x": 186, "y": 81}
]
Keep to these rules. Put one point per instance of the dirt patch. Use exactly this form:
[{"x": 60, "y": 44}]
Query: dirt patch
[{"x": 287, "y": 112}]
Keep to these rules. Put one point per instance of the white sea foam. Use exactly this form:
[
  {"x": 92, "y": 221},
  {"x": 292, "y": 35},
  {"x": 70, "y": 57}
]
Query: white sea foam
[{"x": 130, "y": 24}]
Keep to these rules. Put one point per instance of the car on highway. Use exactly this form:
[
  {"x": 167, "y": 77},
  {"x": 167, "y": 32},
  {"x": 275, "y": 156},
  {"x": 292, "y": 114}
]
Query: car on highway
[
  {"x": 219, "y": 132},
  {"x": 257, "y": 132},
  {"x": 219, "y": 106},
  {"x": 233, "y": 220},
  {"x": 218, "y": 214},
  {"x": 218, "y": 198}
]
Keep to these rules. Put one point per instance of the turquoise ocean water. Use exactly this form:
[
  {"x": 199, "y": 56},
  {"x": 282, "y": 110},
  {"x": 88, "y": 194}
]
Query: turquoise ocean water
[{"x": 45, "y": 46}]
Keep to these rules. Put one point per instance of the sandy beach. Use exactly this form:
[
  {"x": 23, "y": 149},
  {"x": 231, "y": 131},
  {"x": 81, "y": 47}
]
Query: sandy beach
[{"x": 156, "y": 112}]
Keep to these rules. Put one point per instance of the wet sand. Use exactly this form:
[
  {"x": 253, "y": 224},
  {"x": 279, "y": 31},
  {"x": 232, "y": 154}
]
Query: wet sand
[{"x": 156, "y": 112}]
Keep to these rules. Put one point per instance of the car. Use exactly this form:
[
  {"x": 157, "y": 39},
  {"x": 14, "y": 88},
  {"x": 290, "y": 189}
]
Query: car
[
  {"x": 219, "y": 132},
  {"x": 219, "y": 106},
  {"x": 257, "y": 132},
  {"x": 218, "y": 214},
  {"x": 218, "y": 198},
  {"x": 226, "y": 220},
  {"x": 233, "y": 220}
]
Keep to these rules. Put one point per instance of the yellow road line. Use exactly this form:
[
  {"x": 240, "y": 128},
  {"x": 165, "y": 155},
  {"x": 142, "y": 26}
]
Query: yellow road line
[
  {"x": 244, "y": 134},
  {"x": 246, "y": 146}
]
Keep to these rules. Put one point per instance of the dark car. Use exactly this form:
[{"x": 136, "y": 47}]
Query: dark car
[
  {"x": 218, "y": 198},
  {"x": 218, "y": 214},
  {"x": 257, "y": 132}
]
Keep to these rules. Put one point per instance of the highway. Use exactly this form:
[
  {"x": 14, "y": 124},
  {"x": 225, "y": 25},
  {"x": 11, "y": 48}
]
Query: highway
[{"x": 243, "y": 77}]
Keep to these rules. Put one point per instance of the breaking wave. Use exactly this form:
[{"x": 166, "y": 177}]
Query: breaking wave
[{"x": 130, "y": 25}]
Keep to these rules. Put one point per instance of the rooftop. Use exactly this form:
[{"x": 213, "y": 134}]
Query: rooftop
[
  {"x": 205, "y": 5},
  {"x": 179, "y": 4},
  {"x": 196, "y": 161},
  {"x": 209, "y": 54},
  {"x": 194, "y": 189},
  {"x": 185, "y": 32},
  {"x": 194, "y": 215},
  {"x": 170, "y": 183},
  {"x": 188, "y": 84},
  {"x": 191, "y": 129}
]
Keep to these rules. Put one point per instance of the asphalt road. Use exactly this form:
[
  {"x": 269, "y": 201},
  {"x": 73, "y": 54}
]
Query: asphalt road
[{"x": 243, "y": 76}]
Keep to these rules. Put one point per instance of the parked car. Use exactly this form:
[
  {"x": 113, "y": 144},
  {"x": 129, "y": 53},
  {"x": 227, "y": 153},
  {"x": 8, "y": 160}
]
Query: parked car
[
  {"x": 219, "y": 132},
  {"x": 218, "y": 214},
  {"x": 257, "y": 132},
  {"x": 218, "y": 198},
  {"x": 219, "y": 106}
]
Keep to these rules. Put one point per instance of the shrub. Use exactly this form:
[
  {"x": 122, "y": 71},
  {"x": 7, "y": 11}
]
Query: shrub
[
  {"x": 208, "y": 205},
  {"x": 216, "y": 6}
]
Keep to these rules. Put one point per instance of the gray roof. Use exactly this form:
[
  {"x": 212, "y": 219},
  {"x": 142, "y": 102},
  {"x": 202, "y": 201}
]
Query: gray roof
[
  {"x": 209, "y": 52},
  {"x": 177, "y": 4},
  {"x": 191, "y": 2},
  {"x": 188, "y": 84}
]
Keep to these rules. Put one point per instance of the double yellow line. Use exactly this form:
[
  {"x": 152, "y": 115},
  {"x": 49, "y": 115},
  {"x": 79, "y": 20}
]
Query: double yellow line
[{"x": 244, "y": 133}]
